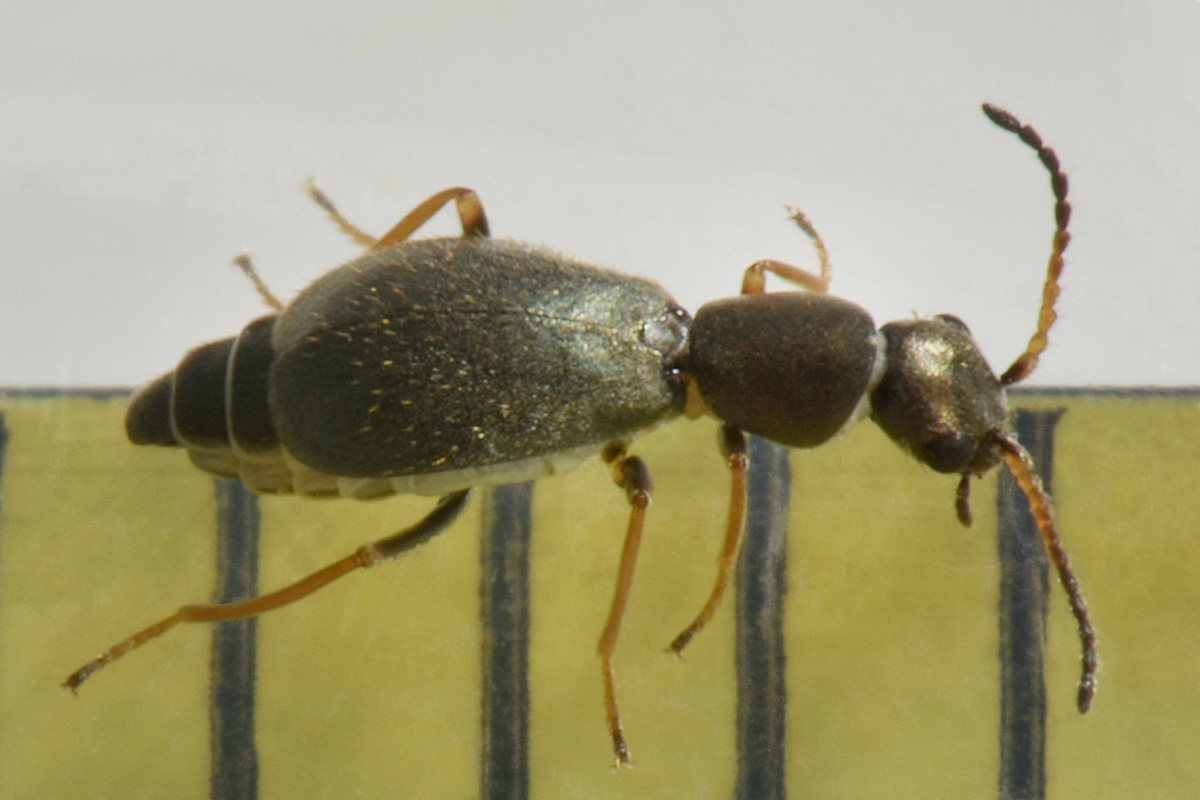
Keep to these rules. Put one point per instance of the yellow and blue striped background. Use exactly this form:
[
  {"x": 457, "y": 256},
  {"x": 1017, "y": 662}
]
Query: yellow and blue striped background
[{"x": 861, "y": 657}]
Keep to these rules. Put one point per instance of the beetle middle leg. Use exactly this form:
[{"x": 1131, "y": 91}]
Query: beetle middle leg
[
  {"x": 467, "y": 203},
  {"x": 754, "y": 281},
  {"x": 357, "y": 234},
  {"x": 631, "y": 474},
  {"x": 470, "y": 214},
  {"x": 444, "y": 513}
]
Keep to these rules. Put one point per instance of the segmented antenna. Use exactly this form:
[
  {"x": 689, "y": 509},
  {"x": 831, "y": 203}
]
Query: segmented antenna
[
  {"x": 1020, "y": 464},
  {"x": 1027, "y": 361}
]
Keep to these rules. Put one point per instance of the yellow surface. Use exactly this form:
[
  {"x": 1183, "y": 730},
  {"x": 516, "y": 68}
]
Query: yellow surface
[
  {"x": 371, "y": 688},
  {"x": 94, "y": 537}
]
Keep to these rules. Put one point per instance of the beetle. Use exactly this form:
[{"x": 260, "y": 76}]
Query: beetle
[{"x": 435, "y": 366}]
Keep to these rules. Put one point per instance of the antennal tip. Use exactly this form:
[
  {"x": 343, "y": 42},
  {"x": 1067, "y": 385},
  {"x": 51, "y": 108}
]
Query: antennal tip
[
  {"x": 1087, "y": 691},
  {"x": 1001, "y": 117}
]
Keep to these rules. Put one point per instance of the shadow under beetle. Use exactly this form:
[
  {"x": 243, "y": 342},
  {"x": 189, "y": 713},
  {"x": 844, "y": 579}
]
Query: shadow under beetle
[{"x": 440, "y": 365}]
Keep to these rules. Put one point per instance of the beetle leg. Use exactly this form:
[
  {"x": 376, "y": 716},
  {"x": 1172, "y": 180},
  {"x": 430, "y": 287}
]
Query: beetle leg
[
  {"x": 346, "y": 226},
  {"x": 470, "y": 214},
  {"x": 631, "y": 474},
  {"x": 244, "y": 263},
  {"x": 754, "y": 280},
  {"x": 737, "y": 457},
  {"x": 447, "y": 509}
]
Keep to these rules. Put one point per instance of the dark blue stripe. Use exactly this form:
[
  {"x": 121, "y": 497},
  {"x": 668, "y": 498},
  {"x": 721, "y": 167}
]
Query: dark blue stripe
[
  {"x": 3, "y": 450},
  {"x": 504, "y": 600},
  {"x": 234, "y": 756},
  {"x": 761, "y": 589},
  {"x": 1024, "y": 585}
]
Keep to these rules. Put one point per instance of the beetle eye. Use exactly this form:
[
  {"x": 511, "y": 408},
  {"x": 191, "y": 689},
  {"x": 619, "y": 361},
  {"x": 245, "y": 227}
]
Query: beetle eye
[{"x": 950, "y": 452}]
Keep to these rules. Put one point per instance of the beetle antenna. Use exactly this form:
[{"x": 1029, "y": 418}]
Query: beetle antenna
[
  {"x": 1020, "y": 464},
  {"x": 1028, "y": 360}
]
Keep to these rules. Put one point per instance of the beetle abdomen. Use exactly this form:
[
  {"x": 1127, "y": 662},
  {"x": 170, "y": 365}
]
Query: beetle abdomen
[
  {"x": 148, "y": 418},
  {"x": 428, "y": 367},
  {"x": 445, "y": 355},
  {"x": 186, "y": 407},
  {"x": 215, "y": 405}
]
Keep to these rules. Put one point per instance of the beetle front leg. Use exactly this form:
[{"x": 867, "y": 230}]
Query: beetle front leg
[
  {"x": 632, "y": 475},
  {"x": 737, "y": 457},
  {"x": 754, "y": 281}
]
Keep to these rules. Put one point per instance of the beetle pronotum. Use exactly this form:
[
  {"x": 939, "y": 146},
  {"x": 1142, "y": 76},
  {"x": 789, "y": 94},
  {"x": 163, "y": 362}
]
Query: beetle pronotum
[{"x": 438, "y": 365}]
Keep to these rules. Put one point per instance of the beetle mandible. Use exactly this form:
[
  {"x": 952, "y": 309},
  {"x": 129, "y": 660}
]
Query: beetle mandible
[{"x": 439, "y": 365}]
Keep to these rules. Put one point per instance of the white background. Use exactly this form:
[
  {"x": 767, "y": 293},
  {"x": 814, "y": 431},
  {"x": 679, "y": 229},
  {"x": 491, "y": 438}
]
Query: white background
[{"x": 143, "y": 145}]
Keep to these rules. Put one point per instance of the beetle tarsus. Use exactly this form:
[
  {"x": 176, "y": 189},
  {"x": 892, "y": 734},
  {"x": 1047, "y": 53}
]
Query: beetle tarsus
[
  {"x": 384, "y": 549},
  {"x": 356, "y": 234}
]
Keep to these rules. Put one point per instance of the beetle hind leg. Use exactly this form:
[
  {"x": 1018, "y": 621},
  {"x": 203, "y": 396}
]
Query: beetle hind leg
[
  {"x": 447, "y": 509},
  {"x": 246, "y": 265}
]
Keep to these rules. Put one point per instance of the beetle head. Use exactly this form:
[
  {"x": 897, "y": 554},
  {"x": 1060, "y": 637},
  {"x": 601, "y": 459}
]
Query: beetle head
[{"x": 938, "y": 398}]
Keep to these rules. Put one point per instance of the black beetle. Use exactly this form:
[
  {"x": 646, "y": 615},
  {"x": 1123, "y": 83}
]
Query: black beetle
[{"x": 439, "y": 365}]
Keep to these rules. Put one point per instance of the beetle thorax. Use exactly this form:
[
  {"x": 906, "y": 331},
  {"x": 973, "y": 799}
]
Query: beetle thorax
[{"x": 792, "y": 367}]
